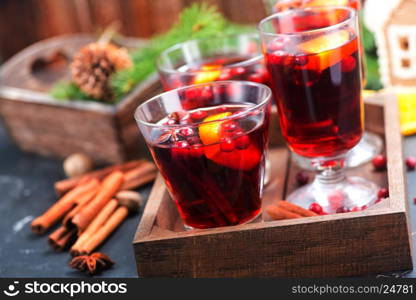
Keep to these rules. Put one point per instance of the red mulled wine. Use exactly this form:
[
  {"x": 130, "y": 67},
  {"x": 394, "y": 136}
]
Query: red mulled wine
[
  {"x": 230, "y": 67},
  {"x": 213, "y": 168},
  {"x": 316, "y": 85}
]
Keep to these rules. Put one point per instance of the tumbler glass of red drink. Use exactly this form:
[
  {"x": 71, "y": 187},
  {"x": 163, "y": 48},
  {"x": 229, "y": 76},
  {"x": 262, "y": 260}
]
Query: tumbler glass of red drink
[
  {"x": 228, "y": 57},
  {"x": 209, "y": 143},
  {"x": 313, "y": 59}
]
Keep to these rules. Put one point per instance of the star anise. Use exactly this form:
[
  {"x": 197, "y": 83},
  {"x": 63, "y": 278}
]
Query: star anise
[{"x": 92, "y": 264}]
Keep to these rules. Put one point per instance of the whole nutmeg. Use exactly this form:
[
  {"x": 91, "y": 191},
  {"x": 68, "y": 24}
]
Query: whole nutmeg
[
  {"x": 77, "y": 164},
  {"x": 131, "y": 199}
]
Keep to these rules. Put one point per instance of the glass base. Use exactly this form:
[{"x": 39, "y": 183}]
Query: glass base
[
  {"x": 254, "y": 219},
  {"x": 352, "y": 194},
  {"x": 369, "y": 146}
]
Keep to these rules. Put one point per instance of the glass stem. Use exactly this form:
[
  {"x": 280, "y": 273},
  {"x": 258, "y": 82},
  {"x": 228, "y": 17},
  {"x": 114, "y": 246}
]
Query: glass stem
[{"x": 329, "y": 170}]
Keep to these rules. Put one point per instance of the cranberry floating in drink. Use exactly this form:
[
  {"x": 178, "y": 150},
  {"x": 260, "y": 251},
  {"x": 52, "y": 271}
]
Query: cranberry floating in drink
[
  {"x": 210, "y": 150},
  {"x": 315, "y": 78},
  {"x": 230, "y": 57}
]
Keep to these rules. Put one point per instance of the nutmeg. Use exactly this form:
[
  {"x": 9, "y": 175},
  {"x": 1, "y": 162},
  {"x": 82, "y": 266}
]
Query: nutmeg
[
  {"x": 131, "y": 199},
  {"x": 77, "y": 164}
]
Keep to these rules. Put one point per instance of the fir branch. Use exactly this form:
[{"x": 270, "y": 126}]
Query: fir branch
[{"x": 65, "y": 90}]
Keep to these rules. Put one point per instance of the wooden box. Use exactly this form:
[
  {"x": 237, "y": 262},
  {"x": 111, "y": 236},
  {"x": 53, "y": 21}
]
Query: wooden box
[
  {"x": 40, "y": 124},
  {"x": 348, "y": 244}
]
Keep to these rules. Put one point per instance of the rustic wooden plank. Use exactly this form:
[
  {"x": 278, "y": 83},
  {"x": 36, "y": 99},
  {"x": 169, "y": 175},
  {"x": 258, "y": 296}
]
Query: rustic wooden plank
[{"x": 353, "y": 246}]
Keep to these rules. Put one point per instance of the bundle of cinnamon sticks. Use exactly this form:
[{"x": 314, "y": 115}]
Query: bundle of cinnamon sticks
[{"x": 90, "y": 207}]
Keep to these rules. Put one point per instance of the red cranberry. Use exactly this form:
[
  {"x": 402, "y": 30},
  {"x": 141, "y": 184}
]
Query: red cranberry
[
  {"x": 229, "y": 126},
  {"x": 197, "y": 150},
  {"x": 256, "y": 77},
  {"x": 378, "y": 200},
  {"x": 302, "y": 178},
  {"x": 276, "y": 57},
  {"x": 414, "y": 200},
  {"x": 191, "y": 93},
  {"x": 180, "y": 148},
  {"x": 227, "y": 145},
  {"x": 411, "y": 163},
  {"x": 242, "y": 142},
  {"x": 380, "y": 162},
  {"x": 383, "y": 193},
  {"x": 206, "y": 93},
  {"x": 238, "y": 71},
  {"x": 187, "y": 131},
  {"x": 356, "y": 208},
  {"x": 341, "y": 210},
  {"x": 225, "y": 75},
  {"x": 192, "y": 140},
  {"x": 316, "y": 208},
  {"x": 364, "y": 207},
  {"x": 301, "y": 60},
  {"x": 348, "y": 64},
  {"x": 198, "y": 115}
]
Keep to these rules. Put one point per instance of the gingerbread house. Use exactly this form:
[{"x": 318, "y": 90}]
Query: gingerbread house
[{"x": 394, "y": 25}]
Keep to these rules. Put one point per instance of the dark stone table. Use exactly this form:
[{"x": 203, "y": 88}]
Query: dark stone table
[{"x": 23, "y": 254}]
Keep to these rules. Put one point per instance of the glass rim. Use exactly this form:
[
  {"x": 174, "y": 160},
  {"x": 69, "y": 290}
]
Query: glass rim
[
  {"x": 266, "y": 99},
  {"x": 352, "y": 15},
  {"x": 243, "y": 63}
]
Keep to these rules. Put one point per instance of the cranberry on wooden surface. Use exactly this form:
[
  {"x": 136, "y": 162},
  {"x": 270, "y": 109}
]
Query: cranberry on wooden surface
[
  {"x": 379, "y": 162},
  {"x": 383, "y": 193},
  {"x": 302, "y": 178},
  {"x": 316, "y": 208}
]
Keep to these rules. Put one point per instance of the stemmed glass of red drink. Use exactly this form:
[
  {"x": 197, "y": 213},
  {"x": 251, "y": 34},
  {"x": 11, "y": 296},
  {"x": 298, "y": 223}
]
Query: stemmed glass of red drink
[
  {"x": 313, "y": 59},
  {"x": 371, "y": 144}
]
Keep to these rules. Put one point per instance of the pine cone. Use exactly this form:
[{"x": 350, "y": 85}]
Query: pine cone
[{"x": 93, "y": 66}]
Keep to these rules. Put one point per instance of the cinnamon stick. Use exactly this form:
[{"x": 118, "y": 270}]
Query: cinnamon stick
[
  {"x": 98, "y": 221},
  {"x": 62, "y": 206},
  {"x": 81, "y": 203},
  {"x": 109, "y": 187},
  {"x": 62, "y": 238},
  {"x": 103, "y": 232},
  {"x": 65, "y": 185},
  {"x": 278, "y": 213},
  {"x": 105, "y": 223},
  {"x": 296, "y": 209}
]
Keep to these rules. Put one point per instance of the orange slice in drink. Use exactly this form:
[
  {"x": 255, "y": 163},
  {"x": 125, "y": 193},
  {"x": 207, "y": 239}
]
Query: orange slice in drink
[
  {"x": 211, "y": 134},
  {"x": 208, "y": 73},
  {"x": 330, "y": 49},
  {"x": 326, "y": 2},
  {"x": 325, "y": 42}
]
